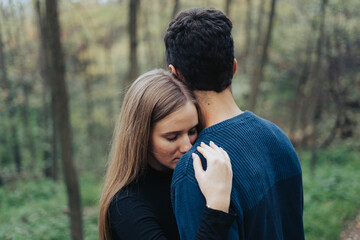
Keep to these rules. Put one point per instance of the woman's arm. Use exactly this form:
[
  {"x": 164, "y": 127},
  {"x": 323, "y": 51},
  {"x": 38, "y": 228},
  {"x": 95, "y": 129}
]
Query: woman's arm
[{"x": 132, "y": 218}]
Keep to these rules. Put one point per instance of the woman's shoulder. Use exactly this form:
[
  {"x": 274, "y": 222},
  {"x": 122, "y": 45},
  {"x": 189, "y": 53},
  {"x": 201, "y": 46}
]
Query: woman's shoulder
[
  {"x": 126, "y": 200},
  {"x": 129, "y": 192}
]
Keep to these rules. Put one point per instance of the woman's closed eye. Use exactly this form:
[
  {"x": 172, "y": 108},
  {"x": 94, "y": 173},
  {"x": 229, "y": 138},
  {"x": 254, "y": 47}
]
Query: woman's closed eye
[{"x": 172, "y": 138}]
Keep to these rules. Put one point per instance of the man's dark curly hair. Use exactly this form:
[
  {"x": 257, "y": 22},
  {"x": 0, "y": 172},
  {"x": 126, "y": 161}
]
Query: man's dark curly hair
[{"x": 200, "y": 46}]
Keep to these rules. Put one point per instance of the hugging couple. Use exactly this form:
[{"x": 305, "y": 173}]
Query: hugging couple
[{"x": 237, "y": 176}]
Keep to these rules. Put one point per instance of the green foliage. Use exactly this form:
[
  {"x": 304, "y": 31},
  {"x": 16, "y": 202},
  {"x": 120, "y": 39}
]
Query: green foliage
[
  {"x": 331, "y": 192},
  {"x": 33, "y": 210},
  {"x": 38, "y": 210},
  {"x": 95, "y": 42}
]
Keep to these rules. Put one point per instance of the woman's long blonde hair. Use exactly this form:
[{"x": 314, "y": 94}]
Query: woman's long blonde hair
[{"x": 153, "y": 96}]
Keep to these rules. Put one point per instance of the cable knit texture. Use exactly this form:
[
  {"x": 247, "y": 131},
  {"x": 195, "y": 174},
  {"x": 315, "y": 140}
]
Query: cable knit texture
[{"x": 267, "y": 194}]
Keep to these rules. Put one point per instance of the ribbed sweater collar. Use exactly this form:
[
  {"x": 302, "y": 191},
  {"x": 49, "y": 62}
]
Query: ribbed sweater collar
[{"x": 241, "y": 117}]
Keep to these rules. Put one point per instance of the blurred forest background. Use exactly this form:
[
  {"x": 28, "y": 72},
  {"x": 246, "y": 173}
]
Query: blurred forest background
[{"x": 65, "y": 66}]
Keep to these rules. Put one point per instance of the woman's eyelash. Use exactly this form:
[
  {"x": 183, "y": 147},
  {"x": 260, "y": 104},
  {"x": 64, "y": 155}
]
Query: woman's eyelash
[{"x": 171, "y": 139}]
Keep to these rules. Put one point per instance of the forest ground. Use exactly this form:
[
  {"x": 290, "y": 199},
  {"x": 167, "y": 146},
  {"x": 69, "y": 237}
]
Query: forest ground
[
  {"x": 36, "y": 209},
  {"x": 353, "y": 230}
]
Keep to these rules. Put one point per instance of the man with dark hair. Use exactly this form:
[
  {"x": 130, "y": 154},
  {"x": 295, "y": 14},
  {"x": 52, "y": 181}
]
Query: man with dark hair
[{"x": 267, "y": 194}]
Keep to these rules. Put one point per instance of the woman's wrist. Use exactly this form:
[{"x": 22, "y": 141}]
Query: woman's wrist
[{"x": 221, "y": 204}]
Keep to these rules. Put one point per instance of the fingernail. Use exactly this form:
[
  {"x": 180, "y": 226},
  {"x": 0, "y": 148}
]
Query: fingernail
[
  {"x": 212, "y": 143},
  {"x": 193, "y": 155},
  {"x": 202, "y": 144}
]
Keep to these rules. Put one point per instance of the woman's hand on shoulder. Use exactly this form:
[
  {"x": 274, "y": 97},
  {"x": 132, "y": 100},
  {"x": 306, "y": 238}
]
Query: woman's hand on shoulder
[{"x": 216, "y": 182}]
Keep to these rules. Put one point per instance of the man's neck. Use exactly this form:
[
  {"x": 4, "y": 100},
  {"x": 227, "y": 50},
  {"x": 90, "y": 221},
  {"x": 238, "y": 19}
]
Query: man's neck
[{"x": 216, "y": 107}]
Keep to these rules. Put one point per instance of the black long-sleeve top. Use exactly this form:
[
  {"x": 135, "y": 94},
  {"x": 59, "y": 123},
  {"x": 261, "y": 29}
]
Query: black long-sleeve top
[{"x": 142, "y": 210}]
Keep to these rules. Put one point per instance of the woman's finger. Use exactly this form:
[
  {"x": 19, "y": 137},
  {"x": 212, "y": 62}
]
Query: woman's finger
[
  {"x": 207, "y": 147},
  {"x": 197, "y": 165},
  {"x": 226, "y": 155},
  {"x": 215, "y": 147},
  {"x": 206, "y": 151}
]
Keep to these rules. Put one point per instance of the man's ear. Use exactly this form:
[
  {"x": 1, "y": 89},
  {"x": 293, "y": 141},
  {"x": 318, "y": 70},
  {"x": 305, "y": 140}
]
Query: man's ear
[
  {"x": 234, "y": 66},
  {"x": 176, "y": 73},
  {"x": 172, "y": 69}
]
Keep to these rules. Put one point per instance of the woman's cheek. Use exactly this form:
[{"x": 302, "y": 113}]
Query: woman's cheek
[
  {"x": 193, "y": 139},
  {"x": 167, "y": 148}
]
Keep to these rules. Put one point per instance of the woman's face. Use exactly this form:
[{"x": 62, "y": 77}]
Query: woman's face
[{"x": 173, "y": 136}]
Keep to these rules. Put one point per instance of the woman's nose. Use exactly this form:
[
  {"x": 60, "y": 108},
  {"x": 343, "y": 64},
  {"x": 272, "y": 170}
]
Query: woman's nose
[{"x": 185, "y": 144}]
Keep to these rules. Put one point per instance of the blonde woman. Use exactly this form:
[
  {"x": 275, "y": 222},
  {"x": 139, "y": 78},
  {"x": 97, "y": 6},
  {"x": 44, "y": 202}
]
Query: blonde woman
[{"x": 158, "y": 123}]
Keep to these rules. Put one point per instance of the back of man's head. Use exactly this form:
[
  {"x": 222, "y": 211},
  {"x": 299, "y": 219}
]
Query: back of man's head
[{"x": 200, "y": 46}]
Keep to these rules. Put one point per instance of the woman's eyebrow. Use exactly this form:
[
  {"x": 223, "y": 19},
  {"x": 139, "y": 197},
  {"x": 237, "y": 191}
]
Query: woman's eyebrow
[
  {"x": 177, "y": 132},
  {"x": 171, "y": 133}
]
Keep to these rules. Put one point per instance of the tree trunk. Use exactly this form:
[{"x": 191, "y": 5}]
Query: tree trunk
[
  {"x": 300, "y": 94},
  {"x": 54, "y": 143},
  {"x": 176, "y": 8},
  {"x": 62, "y": 119},
  {"x": 259, "y": 73},
  {"x": 248, "y": 27},
  {"x": 49, "y": 152},
  {"x": 26, "y": 88},
  {"x": 316, "y": 87},
  {"x": 15, "y": 146},
  {"x": 334, "y": 72},
  {"x": 317, "y": 67},
  {"x": 227, "y": 7},
  {"x": 150, "y": 47},
  {"x": 133, "y": 68},
  {"x": 259, "y": 28},
  {"x": 90, "y": 113}
]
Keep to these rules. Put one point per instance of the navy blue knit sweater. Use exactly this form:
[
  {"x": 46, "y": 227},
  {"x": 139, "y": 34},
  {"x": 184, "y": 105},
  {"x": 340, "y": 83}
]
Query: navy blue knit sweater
[{"x": 267, "y": 193}]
